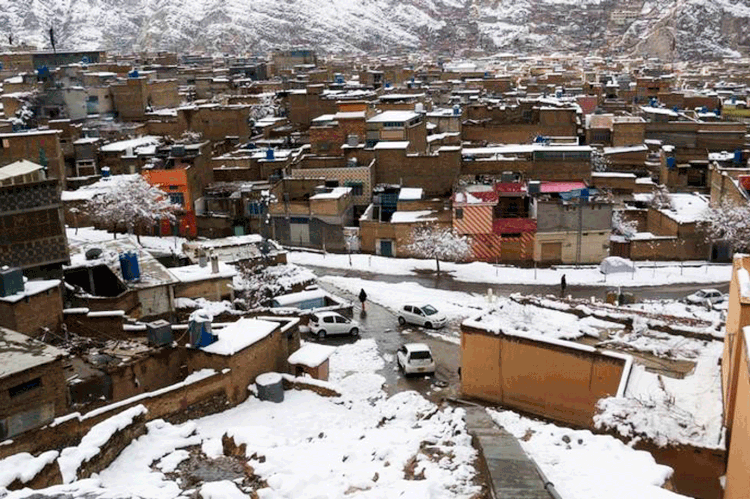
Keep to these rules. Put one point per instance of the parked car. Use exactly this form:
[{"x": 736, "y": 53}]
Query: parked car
[
  {"x": 324, "y": 323},
  {"x": 702, "y": 295},
  {"x": 421, "y": 315},
  {"x": 415, "y": 358}
]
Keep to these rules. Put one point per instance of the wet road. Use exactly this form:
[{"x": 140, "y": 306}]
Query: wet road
[
  {"x": 382, "y": 325},
  {"x": 447, "y": 282}
]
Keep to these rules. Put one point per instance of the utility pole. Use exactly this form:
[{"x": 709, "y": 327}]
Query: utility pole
[{"x": 580, "y": 229}]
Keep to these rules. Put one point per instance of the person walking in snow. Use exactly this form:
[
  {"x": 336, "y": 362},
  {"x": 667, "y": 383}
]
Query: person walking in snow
[
  {"x": 362, "y": 298},
  {"x": 563, "y": 285}
]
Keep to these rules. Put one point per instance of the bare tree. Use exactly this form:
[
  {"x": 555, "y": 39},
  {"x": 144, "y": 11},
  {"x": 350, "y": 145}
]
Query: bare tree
[
  {"x": 440, "y": 243},
  {"x": 131, "y": 202}
]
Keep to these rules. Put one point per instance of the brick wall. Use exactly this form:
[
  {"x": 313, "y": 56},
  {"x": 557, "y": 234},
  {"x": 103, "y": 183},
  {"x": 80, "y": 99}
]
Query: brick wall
[
  {"x": 43, "y": 310},
  {"x": 27, "y": 145},
  {"x": 51, "y": 392},
  {"x": 434, "y": 173}
]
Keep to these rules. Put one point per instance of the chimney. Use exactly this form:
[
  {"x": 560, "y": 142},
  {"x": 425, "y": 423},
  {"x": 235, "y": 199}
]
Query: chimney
[{"x": 214, "y": 263}]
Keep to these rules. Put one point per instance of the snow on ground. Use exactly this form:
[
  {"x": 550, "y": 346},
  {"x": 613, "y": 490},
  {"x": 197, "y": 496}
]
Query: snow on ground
[
  {"x": 213, "y": 307},
  {"x": 510, "y": 316},
  {"x": 669, "y": 410},
  {"x": 357, "y": 445},
  {"x": 646, "y": 274},
  {"x": 587, "y": 466}
]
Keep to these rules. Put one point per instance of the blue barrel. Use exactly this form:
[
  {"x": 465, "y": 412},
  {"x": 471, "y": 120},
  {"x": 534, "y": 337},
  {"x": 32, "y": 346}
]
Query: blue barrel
[
  {"x": 737, "y": 156},
  {"x": 670, "y": 162},
  {"x": 129, "y": 265}
]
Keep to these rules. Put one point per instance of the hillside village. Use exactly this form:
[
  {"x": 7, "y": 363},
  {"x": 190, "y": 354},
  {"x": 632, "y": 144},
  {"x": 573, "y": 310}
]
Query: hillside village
[{"x": 173, "y": 225}]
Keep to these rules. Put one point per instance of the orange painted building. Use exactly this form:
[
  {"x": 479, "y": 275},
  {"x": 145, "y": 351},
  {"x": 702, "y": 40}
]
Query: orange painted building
[{"x": 184, "y": 175}]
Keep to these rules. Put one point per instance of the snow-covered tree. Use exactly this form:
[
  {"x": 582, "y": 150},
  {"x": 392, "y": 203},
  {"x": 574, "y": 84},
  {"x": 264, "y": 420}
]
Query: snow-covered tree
[
  {"x": 620, "y": 226},
  {"x": 661, "y": 199},
  {"x": 728, "y": 223},
  {"x": 599, "y": 162},
  {"x": 440, "y": 243},
  {"x": 130, "y": 203}
]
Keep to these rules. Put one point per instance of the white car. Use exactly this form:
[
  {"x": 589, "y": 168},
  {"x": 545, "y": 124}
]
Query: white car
[
  {"x": 702, "y": 295},
  {"x": 324, "y": 323},
  {"x": 415, "y": 358},
  {"x": 421, "y": 315}
]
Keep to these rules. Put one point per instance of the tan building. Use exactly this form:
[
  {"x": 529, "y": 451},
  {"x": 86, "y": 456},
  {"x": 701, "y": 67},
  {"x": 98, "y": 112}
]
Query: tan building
[
  {"x": 554, "y": 379},
  {"x": 134, "y": 96},
  {"x": 735, "y": 372}
]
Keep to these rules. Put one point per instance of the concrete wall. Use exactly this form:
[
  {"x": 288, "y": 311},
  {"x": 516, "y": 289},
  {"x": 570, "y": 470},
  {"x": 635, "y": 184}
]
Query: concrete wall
[{"x": 554, "y": 381}]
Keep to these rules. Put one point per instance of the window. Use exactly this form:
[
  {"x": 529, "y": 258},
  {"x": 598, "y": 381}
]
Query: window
[
  {"x": 25, "y": 387},
  {"x": 459, "y": 213},
  {"x": 174, "y": 187},
  {"x": 341, "y": 320},
  {"x": 393, "y": 124},
  {"x": 328, "y": 319},
  {"x": 177, "y": 198},
  {"x": 512, "y": 234},
  {"x": 357, "y": 188}
]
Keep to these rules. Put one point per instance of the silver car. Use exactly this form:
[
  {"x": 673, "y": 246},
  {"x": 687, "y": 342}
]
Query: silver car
[{"x": 421, "y": 315}]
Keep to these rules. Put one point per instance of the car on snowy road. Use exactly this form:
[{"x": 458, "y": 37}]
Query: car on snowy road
[
  {"x": 701, "y": 296},
  {"x": 421, "y": 315},
  {"x": 415, "y": 358},
  {"x": 324, "y": 323}
]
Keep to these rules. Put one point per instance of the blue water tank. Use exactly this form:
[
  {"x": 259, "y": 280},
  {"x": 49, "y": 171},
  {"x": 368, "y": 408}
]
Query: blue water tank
[
  {"x": 671, "y": 162},
  {"x": 131, "y": 271},
  {"x": 653, "y": 102},
  {"x": 456, "y": 110},
  {"x": 675, "y": 108},
  {"x": 737, "y": 156},
  {"x": 133, "y": 74},
  {"x": 11, "y": 281},
  {"x": 42, "y": 71},
  {"x": 105, "y": 171},
  {"x": 270, "y": 154},
  {"x": 199, "y": 329}
]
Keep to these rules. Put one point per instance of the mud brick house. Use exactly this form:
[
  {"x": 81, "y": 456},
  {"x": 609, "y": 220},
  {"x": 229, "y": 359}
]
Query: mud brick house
[
  {"x": 519, "y": 123},
  {"x": 33, "y": 310},
  {"x": 40, "y": 146},
  {"x": 573, "y": 224},
  {"x": 338, "y": 171},
  {"x": 385, "y": 228},
  {"x": 694, "y": 139},
  {"x": 433, "y": 172},
  {"x": 232, "y": 209},
  {"x": 545, "y": 162},
  {"x": 398, "y": 126},
  {"x": 555, "y": 379},
  {"x": 32, "y": 383},
  {"x": 128, "y": 156},
  {"x": 134, "y": 96},
  {"x": 669, "y": 233},
  {"x": 496, "y": 218},
  {"x": 304, "y": 212},
  {"x": 31, "y": 218},
  {"x": 330, "y": 132}
]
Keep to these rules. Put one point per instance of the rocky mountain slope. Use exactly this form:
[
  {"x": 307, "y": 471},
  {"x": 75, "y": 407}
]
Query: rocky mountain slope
[{"x": 670, "y": 29}]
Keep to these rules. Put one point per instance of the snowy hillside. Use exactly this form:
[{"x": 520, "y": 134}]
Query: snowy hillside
[{"x": 665, "y": 28}]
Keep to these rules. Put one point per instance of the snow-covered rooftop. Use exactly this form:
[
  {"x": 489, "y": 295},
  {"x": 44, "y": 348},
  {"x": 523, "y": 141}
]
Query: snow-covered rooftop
[
  {"x": 19, "y": 352},
  {"x": 413, "y": 216},
  {"x": 135, "y": 144},
  {"x": 239, "y": 335},
  {"x": 410, "y": 194},
  {"x": 391, "y": 144},
  {"x": 311, "y": 355},
  {"x": 335, "y": 193},
  {"x": 31, "y": 288},
  {"x": 393, "y": 117}
]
